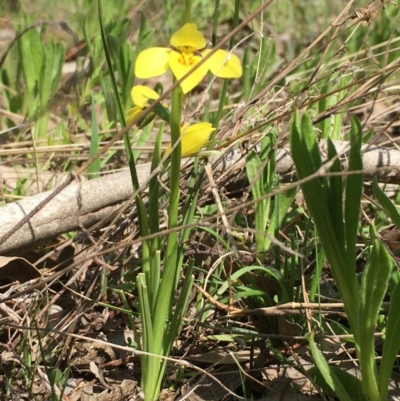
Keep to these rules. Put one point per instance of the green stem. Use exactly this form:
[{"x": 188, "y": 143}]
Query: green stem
[
  {"x": 215, "y": 23},
  {"x": 153, "y": 279},
  {"x": 188, "y": 9},
  {"x": 169, "y": 281},
  {"x": 235, "y": 22}
]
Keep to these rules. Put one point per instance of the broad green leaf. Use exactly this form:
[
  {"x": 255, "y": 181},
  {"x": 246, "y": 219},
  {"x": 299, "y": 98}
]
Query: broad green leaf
[
  {"x": 329, "y": 375},
  {"x": 392, "y": 341},
  {"x": 373, "y": 288},
  {"x": 351, "y": 384}
]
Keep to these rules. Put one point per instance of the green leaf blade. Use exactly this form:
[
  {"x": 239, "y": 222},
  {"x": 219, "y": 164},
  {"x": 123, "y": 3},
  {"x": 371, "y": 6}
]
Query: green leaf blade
[
  {"x": 392, "y": 342},
  {"x": 333, "y": 382}
]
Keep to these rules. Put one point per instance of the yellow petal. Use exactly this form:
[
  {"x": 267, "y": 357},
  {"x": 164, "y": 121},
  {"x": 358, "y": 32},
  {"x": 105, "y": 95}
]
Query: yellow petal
[
  {"x": 193, "y": 138},
  {"x": 224, "y": 64},
  {"x": 181, "y": 63},
  {"x": 133, "y": 113},
  {"x": 190, "y": 36},
  {"x": 142, "y": 94},
  {"x": 152, "y": 62}
]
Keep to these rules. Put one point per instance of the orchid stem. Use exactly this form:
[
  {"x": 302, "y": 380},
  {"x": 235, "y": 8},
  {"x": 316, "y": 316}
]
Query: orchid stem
[{"x": 188, "y": 8}]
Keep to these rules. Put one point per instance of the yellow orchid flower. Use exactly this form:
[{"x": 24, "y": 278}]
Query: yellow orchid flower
[
  {"x": 142, "y": 96},
  {"x": 194, "y": 137},
  {"x": 188, "y": 48}
]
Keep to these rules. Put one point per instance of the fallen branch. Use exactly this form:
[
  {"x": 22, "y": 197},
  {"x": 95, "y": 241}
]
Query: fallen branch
[{"x": 86, "y": 203}]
